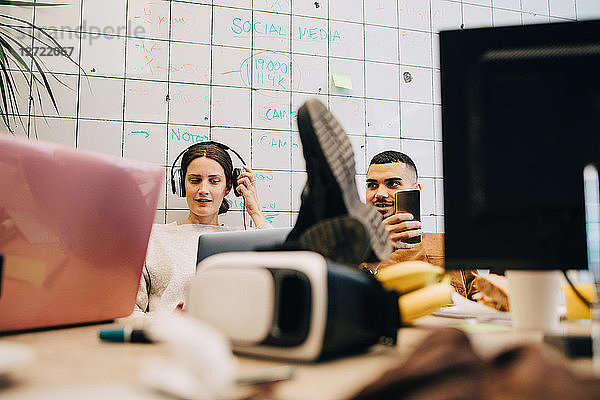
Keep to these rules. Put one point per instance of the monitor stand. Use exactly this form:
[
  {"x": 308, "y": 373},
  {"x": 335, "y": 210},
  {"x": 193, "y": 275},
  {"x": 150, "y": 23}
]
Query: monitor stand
[{"x": 534, "y": 297}]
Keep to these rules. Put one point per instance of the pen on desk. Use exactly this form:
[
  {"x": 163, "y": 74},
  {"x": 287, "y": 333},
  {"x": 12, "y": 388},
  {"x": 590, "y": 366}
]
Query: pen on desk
[
  {"x": 271, "y": 375},
  {"x": 123, "y": 334}
]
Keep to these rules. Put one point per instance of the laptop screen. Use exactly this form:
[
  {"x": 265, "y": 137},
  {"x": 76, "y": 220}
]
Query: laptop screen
[
  {"x": 74, "y": 232},
  {"x": 222, "y": 242}
]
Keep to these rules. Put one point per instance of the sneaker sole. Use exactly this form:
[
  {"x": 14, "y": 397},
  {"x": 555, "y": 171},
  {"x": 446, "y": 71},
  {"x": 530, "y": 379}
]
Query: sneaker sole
[
  {"x": 342, "y": 239},
  {"x": 337, "y": 152}
]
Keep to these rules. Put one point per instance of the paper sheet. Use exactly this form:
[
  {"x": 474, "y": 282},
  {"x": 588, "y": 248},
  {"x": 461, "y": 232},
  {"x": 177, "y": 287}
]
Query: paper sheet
[{"x": 464, "y": 308}]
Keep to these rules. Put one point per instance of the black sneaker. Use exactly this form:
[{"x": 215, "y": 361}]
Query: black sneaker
[{"x": 332, "y": 219}]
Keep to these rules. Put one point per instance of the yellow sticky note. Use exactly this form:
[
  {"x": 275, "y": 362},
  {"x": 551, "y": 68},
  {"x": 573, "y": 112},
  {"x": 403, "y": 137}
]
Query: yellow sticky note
[
  {"x": 576, "y": 309},
  {"x": 342, "y": 80},
  {"x": 25, "y": 269}
]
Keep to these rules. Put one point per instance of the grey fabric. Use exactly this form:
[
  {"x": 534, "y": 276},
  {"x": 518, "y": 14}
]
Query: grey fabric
[{"x": 170, "y": 264}]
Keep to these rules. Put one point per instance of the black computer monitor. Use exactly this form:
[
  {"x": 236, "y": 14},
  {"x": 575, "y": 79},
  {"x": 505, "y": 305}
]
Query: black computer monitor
[{"x": 520, "y": 121}]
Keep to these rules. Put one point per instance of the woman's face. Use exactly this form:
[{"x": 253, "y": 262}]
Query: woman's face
[{"x": 205, "y": 188}]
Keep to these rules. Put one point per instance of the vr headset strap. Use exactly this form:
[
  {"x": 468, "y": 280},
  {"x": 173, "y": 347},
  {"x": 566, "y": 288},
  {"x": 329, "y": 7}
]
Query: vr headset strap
[
  {"x": 391, "y": 321},
  {"x": 361, "y": 312}
]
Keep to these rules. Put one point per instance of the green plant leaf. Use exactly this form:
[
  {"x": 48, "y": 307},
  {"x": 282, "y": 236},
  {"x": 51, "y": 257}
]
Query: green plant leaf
[
  {"x": 29, "y": 3},
  {"x": 9, "y": 93},
  {"x": 34, "y": 71},
  {"x": 8, "y": 82},
  {"x": 35, "y": 38}
]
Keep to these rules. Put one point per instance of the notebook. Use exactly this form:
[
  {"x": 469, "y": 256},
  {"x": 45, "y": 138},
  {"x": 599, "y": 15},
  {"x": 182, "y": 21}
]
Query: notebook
[
  {"x": 251, "y": 240},
  {"x": 74, "y": 228}
]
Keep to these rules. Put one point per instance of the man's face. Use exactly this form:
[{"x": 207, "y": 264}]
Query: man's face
[{"x": 383, "y": 180}]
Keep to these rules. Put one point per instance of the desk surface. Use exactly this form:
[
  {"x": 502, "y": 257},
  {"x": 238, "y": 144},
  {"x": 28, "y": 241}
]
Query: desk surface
[{"x": 75, "y": 356}]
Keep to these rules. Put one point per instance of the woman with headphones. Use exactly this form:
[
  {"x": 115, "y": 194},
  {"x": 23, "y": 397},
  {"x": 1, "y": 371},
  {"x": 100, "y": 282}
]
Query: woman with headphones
[{"x": 206, "y": 176}]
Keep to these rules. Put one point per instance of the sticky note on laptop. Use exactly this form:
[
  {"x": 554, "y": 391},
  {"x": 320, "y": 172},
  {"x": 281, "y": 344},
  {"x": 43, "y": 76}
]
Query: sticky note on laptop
[
  {"x": 342, "y": 80},
  {"x": 25, "y": 269}
]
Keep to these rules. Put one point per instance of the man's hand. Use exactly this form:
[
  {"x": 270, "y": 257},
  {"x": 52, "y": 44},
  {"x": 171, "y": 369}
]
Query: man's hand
[{"x": 400, "y": 227}]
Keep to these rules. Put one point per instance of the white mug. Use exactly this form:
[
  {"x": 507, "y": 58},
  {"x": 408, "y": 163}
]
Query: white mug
[{"x": 534, "y": 298}]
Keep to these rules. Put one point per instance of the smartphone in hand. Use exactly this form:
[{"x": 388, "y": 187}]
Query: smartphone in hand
[{"x": 409, "y": 200}]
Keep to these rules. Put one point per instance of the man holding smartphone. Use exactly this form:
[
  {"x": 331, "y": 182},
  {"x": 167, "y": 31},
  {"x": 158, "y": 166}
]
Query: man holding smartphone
[{"x": 390, "y": 172}]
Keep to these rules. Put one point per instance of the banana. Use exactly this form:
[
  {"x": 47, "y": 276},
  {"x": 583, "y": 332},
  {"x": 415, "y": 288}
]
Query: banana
[
  {"x": 424, "y": 301},
  {"x": 410, "y": 275}
]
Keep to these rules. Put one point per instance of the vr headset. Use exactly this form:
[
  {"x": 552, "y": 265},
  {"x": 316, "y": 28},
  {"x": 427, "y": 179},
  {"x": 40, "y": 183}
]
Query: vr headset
[{"x": 292, "y": 305}]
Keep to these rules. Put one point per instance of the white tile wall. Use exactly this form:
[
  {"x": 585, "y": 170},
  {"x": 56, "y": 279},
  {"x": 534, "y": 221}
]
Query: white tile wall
[{"x": 238, "y": 75}]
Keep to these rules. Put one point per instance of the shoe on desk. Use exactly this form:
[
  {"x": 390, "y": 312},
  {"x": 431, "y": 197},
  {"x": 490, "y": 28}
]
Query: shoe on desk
[{"x": 333, "y": 220}]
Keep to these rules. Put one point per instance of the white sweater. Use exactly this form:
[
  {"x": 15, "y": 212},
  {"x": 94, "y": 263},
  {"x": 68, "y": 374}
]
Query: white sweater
[{"x": 170, "y": 264}]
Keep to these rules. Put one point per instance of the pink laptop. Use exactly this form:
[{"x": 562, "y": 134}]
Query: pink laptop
[{"x": 74, "y": 228}]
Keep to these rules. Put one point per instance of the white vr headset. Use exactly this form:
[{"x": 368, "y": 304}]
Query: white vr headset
[{"x": 292, "y": 305}]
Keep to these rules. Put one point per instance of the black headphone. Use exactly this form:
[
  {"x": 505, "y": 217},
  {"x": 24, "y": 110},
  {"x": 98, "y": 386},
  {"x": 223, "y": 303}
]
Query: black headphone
[{"x": 176, "y": 176}]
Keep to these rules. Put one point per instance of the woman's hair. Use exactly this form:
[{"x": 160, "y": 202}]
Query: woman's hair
[{"x": 215, "y": 152}]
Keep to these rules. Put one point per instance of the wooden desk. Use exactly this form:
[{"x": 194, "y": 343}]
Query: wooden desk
[{"x": 75, "y": 356}]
